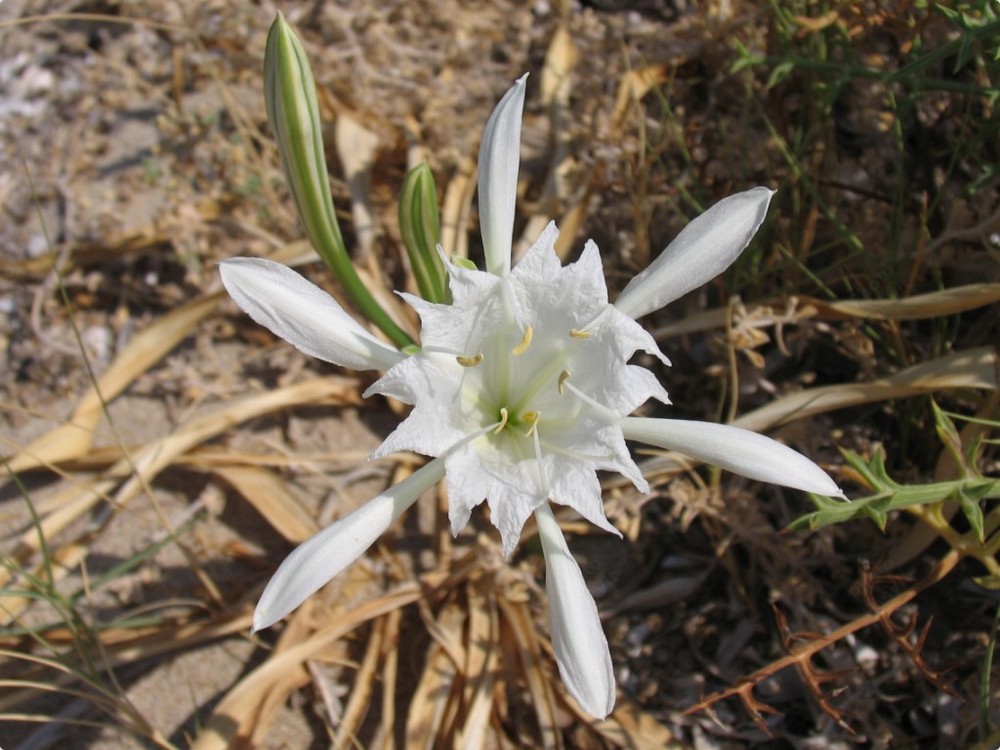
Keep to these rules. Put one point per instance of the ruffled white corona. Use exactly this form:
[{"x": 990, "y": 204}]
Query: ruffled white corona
[
  {"x": 521, "y": 391},
  {"x": 535, "y": 363}
]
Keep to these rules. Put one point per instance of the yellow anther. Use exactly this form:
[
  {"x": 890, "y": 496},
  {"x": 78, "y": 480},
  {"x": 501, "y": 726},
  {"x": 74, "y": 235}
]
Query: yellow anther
[
  {"x": 503, "y": 421},
  {"x": 531, "y": 418},
  {"x": 563, "y": 377},
  {"x": 579, "y": 334},
  {"x": 470, "y": 361},
  {"x": 521, "y": 348}
]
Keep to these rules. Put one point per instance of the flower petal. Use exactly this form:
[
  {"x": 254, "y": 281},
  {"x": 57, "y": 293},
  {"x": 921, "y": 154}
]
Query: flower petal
[
  {"x": 734, "y": 449},
  {"x": 320, "y": 558},
  {"x": 577, "y": 636},
  {"x": 499, "y": 156},
  {"x": 705, "y": 248},
  {"x": 302, "y": 314}
]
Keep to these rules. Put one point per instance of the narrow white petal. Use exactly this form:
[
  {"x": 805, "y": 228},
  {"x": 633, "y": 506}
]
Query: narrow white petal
[
  {"x": 577, "y": 636},
  {"x": 734, "y": 449},
  {"x": 705, "y": 248},
  {"x": 499, "y": 156},
  {"x": 320, "y": 558},
  {"x": 302, "y": 314}
]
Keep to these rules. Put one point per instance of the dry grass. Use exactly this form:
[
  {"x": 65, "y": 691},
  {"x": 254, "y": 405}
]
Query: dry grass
[{"x": 162, "y": 454}]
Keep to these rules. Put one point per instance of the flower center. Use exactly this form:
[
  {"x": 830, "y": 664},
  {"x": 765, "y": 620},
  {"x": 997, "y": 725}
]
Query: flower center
[{"x": 520, "y": 385}]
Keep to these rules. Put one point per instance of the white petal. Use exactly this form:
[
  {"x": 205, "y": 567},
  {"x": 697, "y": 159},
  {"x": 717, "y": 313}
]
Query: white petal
[
  {"x": 577, "y": 636},
  {"x": 734, "y": 449},
  {"x": 579, "y": 487},
  {"x": 428, "y": 381},
  {"x": 302, "y": 314},
  {"x": 499, "y": 156},
  {"x": 320, "y": 558},
  {"x": 705, "y": 248}
]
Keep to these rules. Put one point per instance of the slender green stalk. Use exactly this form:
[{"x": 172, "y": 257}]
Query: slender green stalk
[
  {"x": 984, "y": 684},
  {"x": 292, "y": 109}
]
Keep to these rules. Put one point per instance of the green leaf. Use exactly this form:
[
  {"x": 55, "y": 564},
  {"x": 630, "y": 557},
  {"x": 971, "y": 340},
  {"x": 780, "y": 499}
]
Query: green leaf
[
  {"x": 830, "y": 511},
  {"x": 889, "y": 496},
  {"x": 781, "y": 72},
  {"x": 950, "y": 437}
]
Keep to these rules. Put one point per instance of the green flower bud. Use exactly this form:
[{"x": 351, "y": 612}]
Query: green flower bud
[
  {"x": 292, "y": 109},
  {"x": 420, "y": 228}
]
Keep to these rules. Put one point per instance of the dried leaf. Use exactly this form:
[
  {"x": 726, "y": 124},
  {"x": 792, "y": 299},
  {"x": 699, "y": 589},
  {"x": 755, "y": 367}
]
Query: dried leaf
[
  {"x": 918, "y": 307},
  {"x": 73, "y": 439},
  {"x": 272, "y": 498},
  {"x": 356, "y": 147},
  {"x": 237, "y": 711},
  {"x": 973, "y": 368}
]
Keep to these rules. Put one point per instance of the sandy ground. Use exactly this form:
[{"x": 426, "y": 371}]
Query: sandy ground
[{"x": 135, "y": 154}]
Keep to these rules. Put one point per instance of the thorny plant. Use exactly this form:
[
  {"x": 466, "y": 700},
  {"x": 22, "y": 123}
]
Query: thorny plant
[
  {"x": 933, "y": 504},
  {"x": 815, "y": 47}
]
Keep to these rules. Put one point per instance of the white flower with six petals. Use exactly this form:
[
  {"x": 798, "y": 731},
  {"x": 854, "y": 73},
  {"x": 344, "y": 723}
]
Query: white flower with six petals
[{"x": 521, "y": 391}]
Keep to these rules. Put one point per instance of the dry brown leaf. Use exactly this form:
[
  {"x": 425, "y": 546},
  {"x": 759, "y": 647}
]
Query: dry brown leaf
[
  {"x": 390, "y": 669},
  {"x": 632, "y": 728},
  {"x": 556, "y": 88},
  {"x": 813, "y": 25},
  {"x": 356, "y": 148},
  {"x": 169, "y": 639},
  {"x": 480, "y": 665},
  {"x": 974, "y": 368},
  {"x": 73, "y": 439},
  {"x": 632, "y": 87},
  {"x": 298, "y": 628},
  {"x": 108, "y": 250},
  {"x": 362, "y": 686},
  {"x": 425, "y": 719},
  {"x": 572, "y": 221},
  {"x": 918, "y": 307},
  {"x": 236, "y": 713},
  {"x": 445, "y": 629},
  {"x": 153, "y": 457},
  {"x": 525, "y": 633},
  {"x": 455, "y": 210},
  {"x": 272, "y": 498},
  {"x": 560, "y": 59}
]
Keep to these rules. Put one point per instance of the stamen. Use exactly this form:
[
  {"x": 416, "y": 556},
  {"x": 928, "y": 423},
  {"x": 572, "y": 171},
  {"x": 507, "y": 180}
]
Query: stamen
[
  {"x": 470, "y": 361},
  {"x": 585, "y": 331},
  {"x": 539, "y": 463},
  {"x": 600, "y": 409},
  {"x": 563, "y": 377},
  {"x": 503, "y": 421},
  {"x": 521, "y": 348},
  {"x": 466, "y": 440},
  {"x": 532, "y": 418}
]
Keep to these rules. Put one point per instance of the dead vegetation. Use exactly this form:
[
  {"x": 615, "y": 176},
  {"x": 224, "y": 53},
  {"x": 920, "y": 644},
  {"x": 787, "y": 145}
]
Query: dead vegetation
[{"x": 162, "y": 453}]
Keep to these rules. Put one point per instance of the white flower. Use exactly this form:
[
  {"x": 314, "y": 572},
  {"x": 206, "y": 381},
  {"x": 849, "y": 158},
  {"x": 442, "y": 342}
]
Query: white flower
[{"x": 521, "y": 391}]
